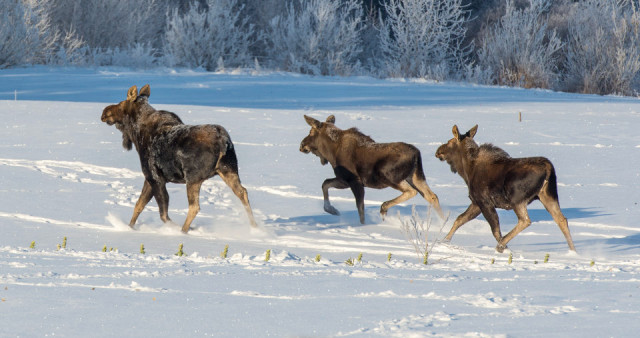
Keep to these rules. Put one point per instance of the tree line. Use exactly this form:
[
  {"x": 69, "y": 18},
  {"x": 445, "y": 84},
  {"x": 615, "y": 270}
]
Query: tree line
[{"x": 584, "y": 46}]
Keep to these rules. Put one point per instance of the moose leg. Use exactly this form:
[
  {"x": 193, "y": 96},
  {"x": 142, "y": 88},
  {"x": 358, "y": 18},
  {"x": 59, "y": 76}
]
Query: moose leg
[
  {"x": 143, "y": 200},
  {"x": 193, "y": 196},
  {"x": 472, "y": 212},
  {"x": 332, "y": 183},
  {"x": 491, "y": 216},
  {"x": 523, "y": 223},
  {"x": 553, "y": 207},
  {"x": 407, "y": 192},
  {"x": 424, "y": 190},
  {"x": 358, "y": 192},
  {"x": 233, "y": 181},
  {"x": 162, "y": 198}
]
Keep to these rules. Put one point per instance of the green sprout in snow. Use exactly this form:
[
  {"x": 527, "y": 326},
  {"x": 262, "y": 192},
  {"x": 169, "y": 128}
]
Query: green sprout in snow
[
  {"x": 267, "y": 256},
  {"x": 180, "y": 253}
]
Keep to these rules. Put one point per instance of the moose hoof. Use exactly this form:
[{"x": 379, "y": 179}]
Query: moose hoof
[
  {"x": 500, "y": 248},
  {"x": 330, "y": 209}
]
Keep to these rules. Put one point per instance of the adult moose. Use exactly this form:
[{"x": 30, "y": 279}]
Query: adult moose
[
  {"x": 496, "y": 180},
  {"x": 359, "y": 162},
  {"x": 171, "y": 151}
]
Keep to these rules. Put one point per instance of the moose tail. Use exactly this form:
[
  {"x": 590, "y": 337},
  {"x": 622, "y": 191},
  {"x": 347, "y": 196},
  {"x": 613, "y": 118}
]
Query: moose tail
[{"x": 552, "y": 182}]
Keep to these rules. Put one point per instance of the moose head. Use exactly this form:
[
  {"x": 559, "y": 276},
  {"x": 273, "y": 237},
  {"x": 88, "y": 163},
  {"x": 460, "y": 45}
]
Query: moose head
[
  {"x": 316, "y": 141},
  {"x": 454, "y": 150},
  {"x": 115, "y": 113}
]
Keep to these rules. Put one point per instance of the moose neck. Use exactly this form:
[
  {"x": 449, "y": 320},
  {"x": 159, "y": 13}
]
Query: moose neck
[{"x": 328, "y": 149}]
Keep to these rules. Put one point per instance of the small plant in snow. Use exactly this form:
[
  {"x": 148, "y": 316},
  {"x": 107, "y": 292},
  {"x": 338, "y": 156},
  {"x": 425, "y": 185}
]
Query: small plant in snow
[
  {"x": 416, "y": 231},
  {"x": 225, "y": 251},
  {"x": 389, "y": 257},
  {"x": 267, "y": 255},
  {"x": 318, "y": 257},
  {"x": 180, "y": 253},
  {"x": 349, "y": 262},
  {"x": 546, "y": 258},
  {"x": 104, "y": 248},
  {"x": 510, "y": 258},
  {"x": 592, "y": 263},
  {"x": 33, "y": 245},
  {"x": 64, "y": 242},
  {"x": 359, "y": 260},
  {"x": 142, "y": 249}
]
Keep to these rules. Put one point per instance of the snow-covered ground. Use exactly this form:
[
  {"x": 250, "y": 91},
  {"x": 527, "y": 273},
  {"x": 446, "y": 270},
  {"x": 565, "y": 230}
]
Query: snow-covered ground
[{"x": 63, "y": 173}]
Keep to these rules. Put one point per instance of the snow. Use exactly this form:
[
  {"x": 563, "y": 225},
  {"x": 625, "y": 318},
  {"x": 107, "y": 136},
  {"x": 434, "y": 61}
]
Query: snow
[{"x": 64, "y": 173}]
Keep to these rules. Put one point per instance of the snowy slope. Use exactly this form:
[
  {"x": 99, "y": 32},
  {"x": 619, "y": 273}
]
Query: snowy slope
[{"x": 63, "y": 173}]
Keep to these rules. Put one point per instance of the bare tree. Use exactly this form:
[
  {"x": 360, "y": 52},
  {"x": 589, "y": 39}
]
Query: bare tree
[
  {"x": 320, "y": 37},
  {"x": 520, "y": 50},
  {"x": 603, "y": 54},
  {"x": 210, "y": 37},
  {"x": 25, "y": 32},
  {"x": 423, "y": 38}
]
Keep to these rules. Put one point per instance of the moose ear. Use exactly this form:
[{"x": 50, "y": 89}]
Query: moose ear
[
  {"x": 472, "y": 132},
  {"x": 132, "y": 94},
  {"x": 312, "y": 122},
  {"x": 331, "y": 119},
  {"x": 455, "y": 132},
  {"x": 145, "y": 91}
]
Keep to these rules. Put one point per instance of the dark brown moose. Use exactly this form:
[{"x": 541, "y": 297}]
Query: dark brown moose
[
  {"x": 171, "y": 151},
  {"x": 359, "y": 162},
  {"x": 496, "y": 180}
]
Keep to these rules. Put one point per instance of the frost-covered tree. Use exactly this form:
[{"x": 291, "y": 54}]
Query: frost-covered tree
[
  {"x": 211, "y": 38},
  {"x": 422, "y": 38},
  {"x": 107, "y": 32},
  {"x": 520, "y": 50},
  {"x": 320, "y": 37},
  {"x": 111, "y": 23},
  {"x": 603, "y": 54},
  {"x": 25, "y": 32}
]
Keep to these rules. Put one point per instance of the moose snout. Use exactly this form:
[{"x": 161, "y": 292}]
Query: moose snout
[
  {"x": 305, "y": 149},
  {"x": 440, "y": 153},
  {"x": 106, "y": 113}
]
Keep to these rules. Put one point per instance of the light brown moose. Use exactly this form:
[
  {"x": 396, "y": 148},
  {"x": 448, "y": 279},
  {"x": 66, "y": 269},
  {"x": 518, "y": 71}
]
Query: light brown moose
[
  {"x": 359, "y": 162},
  {"x": 496, "y": 180}
]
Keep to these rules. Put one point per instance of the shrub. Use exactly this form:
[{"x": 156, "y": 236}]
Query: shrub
[
  {"x": 209, "y": 37},
  {"x": 520, "y": 50},
  {"x": 318, "y": 37},
  {"x": 422, "y": 38},
  {"x": 603, "y": 53}
]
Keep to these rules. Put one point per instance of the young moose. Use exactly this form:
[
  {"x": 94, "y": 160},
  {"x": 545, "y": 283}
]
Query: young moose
[
  {"x": 359, "y": 162},
  {"x": 171, "y": 151},
  {"x": 496, "y": 180}
]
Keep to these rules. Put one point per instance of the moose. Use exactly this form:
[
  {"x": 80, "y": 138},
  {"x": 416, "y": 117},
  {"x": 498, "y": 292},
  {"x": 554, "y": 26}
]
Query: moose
[
  {"x": 171, "y": 151},
  {"x": 496, "y": 180},
  {"x": 360, "y": 162}
]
